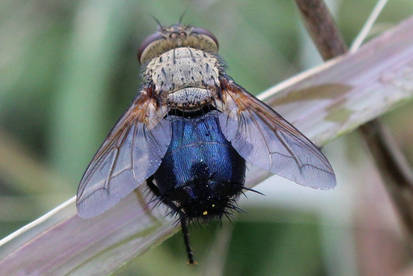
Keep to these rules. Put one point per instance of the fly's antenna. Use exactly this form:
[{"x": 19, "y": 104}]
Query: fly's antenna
[
  {"x": 157, "y": 22},
  {"x": 182, "y": 15}
]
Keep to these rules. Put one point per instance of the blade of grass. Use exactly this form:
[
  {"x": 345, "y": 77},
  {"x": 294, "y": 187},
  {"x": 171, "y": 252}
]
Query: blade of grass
[{"x": 81, "y": 99}]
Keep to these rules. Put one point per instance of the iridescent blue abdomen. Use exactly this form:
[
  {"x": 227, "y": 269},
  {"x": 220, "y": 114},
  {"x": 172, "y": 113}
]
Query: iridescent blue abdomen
[{"x": 200, "y": 171}]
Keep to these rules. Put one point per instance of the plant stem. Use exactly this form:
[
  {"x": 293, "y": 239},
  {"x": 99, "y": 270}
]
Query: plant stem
[
  {"x": 392, "y": 165},
  {"x": 322, "y": 28}
]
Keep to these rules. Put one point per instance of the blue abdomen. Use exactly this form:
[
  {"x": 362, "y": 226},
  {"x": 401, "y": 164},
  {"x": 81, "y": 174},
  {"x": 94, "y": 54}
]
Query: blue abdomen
[{"x": 200, "y": 164}]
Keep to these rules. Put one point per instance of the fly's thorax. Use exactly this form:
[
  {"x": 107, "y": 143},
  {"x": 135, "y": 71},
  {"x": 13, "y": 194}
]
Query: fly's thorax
[{"x": 184, "y": 78}]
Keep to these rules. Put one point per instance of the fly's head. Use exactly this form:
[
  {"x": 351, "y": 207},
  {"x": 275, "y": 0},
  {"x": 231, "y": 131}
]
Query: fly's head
[
  {"x": 175, "y": 36},
  {"x": 182, "y": 67}
]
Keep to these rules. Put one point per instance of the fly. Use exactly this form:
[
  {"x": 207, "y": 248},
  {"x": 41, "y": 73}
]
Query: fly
[{"x": 189, "y": 133}]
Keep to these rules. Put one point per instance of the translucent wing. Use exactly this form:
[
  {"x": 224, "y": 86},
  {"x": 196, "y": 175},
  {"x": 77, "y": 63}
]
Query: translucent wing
[
  {"x": 131, "y": 153},
  {"x": 263, "y": 138}
]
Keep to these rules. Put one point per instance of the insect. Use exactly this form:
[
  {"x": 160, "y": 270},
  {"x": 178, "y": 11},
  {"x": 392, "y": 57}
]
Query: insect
[{"x": 189, "y": 133}]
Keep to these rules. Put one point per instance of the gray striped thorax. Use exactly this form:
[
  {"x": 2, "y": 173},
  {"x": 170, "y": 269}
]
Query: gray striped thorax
[{"x": 184, "y": 78}]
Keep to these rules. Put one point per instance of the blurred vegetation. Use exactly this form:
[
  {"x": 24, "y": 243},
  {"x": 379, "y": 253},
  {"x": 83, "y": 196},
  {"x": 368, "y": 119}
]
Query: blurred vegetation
[{"x": 69, "y": 70}]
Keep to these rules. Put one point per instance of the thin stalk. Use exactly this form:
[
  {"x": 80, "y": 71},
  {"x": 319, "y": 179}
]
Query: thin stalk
[
  {"x": 368, "y": 25},
  {"x": 388, "y": 158}
]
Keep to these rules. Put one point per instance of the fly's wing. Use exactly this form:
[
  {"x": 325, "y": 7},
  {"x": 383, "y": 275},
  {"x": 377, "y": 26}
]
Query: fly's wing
[
  {"x": 263, "y": 138},
  {"x": 131, "y": 153}
]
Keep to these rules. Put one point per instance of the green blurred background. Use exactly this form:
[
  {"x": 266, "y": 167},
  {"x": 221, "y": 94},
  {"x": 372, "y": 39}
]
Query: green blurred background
[{"x": 68, "y": 70}]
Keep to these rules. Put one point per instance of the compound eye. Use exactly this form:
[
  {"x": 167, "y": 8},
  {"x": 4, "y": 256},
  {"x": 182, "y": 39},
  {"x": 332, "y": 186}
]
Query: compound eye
[
  {"x": 148, "y": 41},
  {"x": 205, "y": 32}
]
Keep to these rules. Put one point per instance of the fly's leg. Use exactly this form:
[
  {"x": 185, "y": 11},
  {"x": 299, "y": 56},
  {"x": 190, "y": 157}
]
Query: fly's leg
[
  {"x": 185, "y": 233},
  {"x": 182, "y": 218}
]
